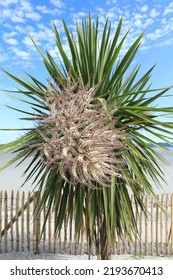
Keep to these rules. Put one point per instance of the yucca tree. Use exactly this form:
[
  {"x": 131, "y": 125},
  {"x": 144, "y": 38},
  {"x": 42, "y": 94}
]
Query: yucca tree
[{"x": 88, "y": 138}]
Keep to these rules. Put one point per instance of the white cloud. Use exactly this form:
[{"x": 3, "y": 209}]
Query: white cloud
[
  {"x": 12, "y": 41},
  {"x": 33, "y": 15},
  {"x": 22, "y": 29},
  {"x": 57, "y": 3},
  {"x": 79, "y": 15},
  {"x": 169, "y": 9},
  {"x": 110, "y": 15},
  {"x": 7, "y": 3},
  {"x": 54, "y": 52},
  {"x": 6, "y": 13},
  {"x": 43, "y": 9},
  {"x": 9, "y": 34},
  {"x": 8, "y": 38},
  {"x": 163, "y": 33},
  {"x": 167, "y": 42},
  {"x": 28, "y": 43},
  {"x": 138, "y": 16},
  {"x": 16, "y": 18},
  {"x": 42, "y": 36},
  {"x": 154, "y": 13},
  {"x": 156, "y": 34},
  {"x": 138, "y": 23},
  {"x": 148, "y": 22},
  {"x": 144, "y": 8},
  {"x": 109, "y": 2},
  {"x": 23, "y": 10},
  {"x": 20, "y": 53},
  {"x": 27, "y": 14},
  {"x": 59, "y": 25},
  {"x": 28, "y": 10},
  {"x": 101, "y": 10},
  {"x": 26, "y": 5}
]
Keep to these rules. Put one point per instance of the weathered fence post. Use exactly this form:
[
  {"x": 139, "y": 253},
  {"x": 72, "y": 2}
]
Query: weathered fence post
[
  {"x": 17, "y": 223},
  {"x": 151, "y": 201},
  {"x": 22, "y": 220},
  {"x": 157, "y": 226},
  {"x": 6, "y": 220},
  {"x": 161, "y": 224},
  {"x": 166, "y": 226},
  {"x": 37, "y": 223},
  {"x": 146, "y": 227},
  {"x": 28, "y": 221},
  {"x": 11, "y": 218}
]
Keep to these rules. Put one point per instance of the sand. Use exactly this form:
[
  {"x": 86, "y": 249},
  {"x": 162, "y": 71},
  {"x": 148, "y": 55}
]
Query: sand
[{"x": 49, "y": 256}]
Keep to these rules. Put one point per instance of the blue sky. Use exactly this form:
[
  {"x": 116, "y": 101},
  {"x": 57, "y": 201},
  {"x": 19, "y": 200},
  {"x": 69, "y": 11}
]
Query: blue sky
[{"x": 17, "y": 53}]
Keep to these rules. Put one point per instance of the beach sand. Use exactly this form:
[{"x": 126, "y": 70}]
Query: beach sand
[{"x": 49, "y": 256}]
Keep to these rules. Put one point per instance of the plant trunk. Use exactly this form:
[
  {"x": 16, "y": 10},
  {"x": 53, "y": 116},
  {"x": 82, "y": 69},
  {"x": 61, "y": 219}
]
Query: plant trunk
[{"x": 105, "y": 242}]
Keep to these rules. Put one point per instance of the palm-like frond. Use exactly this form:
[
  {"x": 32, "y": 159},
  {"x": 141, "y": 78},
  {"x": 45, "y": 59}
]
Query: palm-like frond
[{"x": 97, "y": 61}]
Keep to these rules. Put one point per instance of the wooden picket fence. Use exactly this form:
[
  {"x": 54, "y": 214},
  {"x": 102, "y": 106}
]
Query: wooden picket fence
[{"x": 20, "y": 228}]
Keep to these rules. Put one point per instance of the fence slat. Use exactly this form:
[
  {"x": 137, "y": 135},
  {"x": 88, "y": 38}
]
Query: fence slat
[
  {"x": 161, "y": 224},
  {"x": 146, "y": 227},
  {"x": 140, "y": 230},
  {"x": 37, "y": 224},
  {"x": 166, "y": 226},
  {"x": 157, "y": 223},
  {"x": 28, "y": 222},
  {"x": 34, "y": 221},
  {"x": 11, "y": 218},
  {"x": 5, "y": 220},
  {"x": 136, "y": 235},
  {"x": 152, "y": 205},
  {"x": 17, "y": 223},
  {"x": 22, "y": 220}
]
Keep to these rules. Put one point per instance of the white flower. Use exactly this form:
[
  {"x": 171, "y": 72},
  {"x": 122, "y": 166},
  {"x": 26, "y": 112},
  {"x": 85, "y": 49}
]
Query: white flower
[{"x": 79, "y": 137}]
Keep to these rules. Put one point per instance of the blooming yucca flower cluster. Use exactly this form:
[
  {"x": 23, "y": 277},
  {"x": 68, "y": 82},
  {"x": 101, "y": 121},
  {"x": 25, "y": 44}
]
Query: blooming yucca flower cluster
[{"x": 79, "y": 137}]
